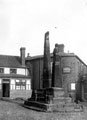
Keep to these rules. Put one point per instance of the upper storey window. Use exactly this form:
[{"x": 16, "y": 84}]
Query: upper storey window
[
  {"x": 1, "y": 70},
  {"x": 13, "y": 71}
]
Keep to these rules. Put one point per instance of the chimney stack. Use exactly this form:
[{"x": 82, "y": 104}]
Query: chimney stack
[
  {"x": 22, "y": 55},
  {"x": 61, "y": 48}
]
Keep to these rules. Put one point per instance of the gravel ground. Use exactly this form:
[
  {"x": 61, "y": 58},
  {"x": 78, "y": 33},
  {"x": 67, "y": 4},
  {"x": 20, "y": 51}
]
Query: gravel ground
[{"x": 14, "y": 111}]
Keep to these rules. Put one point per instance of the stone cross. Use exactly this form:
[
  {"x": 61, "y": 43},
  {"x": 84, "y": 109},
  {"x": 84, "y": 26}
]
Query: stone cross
[
  {"x": 46, "y": 63},
  {"x": 56, "y": 69}
]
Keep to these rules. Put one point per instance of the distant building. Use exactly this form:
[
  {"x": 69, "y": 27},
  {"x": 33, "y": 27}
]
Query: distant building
[
  {"x": 71, "y": 70},
  {"x": 15, "y": 78}
]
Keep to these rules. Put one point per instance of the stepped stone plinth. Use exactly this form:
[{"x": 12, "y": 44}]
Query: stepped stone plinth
[{"x": 52, "y": 99}]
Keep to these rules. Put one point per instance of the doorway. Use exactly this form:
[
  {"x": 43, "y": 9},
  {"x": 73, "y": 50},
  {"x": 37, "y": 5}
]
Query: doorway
[{"x": 6, "y": 88}]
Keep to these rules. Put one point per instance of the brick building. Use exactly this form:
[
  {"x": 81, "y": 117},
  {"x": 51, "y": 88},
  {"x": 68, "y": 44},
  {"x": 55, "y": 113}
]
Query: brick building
[
  {"x": 71, "y": 70},
  {"x": 15, "y": 78}
]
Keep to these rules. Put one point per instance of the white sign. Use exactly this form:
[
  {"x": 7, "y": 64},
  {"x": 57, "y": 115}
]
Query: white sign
[{"x": 66, "y": 70}]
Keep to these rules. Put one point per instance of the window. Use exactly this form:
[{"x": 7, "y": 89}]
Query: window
[
  {"x": 28, "y": 84},
  {"x": 20, "y": 84},
  {"x": 13, "y": 71},
  {"x": 73, "y": 86},
  {"x": 12, "y": 85},
  {"x": 1, "y": 70},
  {"x": 17, "y": 87},
  {"x": 22, "y": 87},
  {"x": 23, "y": 84},
  {"x": 17, "y": 84}
]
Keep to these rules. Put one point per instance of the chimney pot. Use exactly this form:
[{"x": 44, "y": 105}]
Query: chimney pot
[{"x": 22, "y": 55}]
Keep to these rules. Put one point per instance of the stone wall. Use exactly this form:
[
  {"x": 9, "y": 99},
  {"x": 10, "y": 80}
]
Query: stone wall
[{"x": 20, "y": 94}]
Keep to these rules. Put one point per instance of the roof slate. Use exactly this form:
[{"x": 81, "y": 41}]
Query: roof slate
[{"x": 10, "y": 61}]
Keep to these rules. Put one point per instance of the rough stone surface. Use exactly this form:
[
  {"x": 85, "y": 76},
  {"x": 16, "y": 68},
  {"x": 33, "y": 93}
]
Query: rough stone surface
[
  {"x": 52, "y": 99},
  {"x": 46, "y": 63}
]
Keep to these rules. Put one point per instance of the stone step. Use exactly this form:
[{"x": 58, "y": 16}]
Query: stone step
[
  {"x": 40, "y": 93},
  {"x": 50, "y": 99},
  {"x": 62, "y": 100},
  {"x": 54, "y": 107}
]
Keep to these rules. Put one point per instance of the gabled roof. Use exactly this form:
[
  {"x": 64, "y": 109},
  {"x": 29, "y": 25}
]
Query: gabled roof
[{"x": 10, "y": 61}]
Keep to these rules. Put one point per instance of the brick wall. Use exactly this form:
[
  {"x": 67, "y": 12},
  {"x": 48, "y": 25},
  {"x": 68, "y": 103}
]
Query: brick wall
[
  {"x": 77, "y": 69},
  {"x": 69, "y": 76}
]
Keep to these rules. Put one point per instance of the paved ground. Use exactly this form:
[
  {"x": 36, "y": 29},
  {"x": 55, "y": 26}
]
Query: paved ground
[{"x": 15, "y": 111}]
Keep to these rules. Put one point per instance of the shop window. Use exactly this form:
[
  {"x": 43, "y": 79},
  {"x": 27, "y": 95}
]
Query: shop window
[
  {"x": 17, "y": 87},
  {"x": 13, "y": 71},
  {"x": 20, "y": 84},
  {"x": 1, "y": 70},
  {"x": 22, "y": 87}
]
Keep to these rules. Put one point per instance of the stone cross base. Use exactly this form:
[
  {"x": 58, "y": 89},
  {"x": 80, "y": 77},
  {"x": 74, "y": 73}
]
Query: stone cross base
[{"x": 51, "y": 99}]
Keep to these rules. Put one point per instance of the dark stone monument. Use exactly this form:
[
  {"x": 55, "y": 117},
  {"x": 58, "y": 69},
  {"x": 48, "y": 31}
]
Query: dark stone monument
[
  {"x": 56, "y": 73},
  {"x": 52, "y": 97},
  {"x": 46, "y": 63}
]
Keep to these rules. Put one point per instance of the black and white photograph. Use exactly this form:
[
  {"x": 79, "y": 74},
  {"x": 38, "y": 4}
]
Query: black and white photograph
[{"x": 43, "y": 60}]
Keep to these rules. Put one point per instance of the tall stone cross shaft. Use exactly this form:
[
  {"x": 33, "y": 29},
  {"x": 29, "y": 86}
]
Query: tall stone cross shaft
[{"x": 46, "y": 63}]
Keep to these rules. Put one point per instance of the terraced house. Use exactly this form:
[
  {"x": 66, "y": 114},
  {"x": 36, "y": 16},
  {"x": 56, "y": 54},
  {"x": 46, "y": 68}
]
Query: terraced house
[{"x": 15, "y": 78}]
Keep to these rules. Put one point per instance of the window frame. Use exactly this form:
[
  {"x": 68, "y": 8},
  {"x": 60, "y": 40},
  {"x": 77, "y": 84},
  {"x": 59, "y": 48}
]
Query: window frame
[
  {"x": 14, "y": 69},
  {"x": 20, "y": 84}
]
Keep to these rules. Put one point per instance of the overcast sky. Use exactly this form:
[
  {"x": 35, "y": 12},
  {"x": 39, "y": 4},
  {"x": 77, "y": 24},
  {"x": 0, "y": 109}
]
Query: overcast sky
[{"x": 23, "y": 23}]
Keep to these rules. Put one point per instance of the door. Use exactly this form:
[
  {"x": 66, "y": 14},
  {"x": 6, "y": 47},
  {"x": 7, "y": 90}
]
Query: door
[{"x": 5, "y": 88}]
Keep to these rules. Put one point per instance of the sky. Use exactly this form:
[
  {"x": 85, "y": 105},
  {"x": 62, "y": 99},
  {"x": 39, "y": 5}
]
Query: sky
[{"x": 23, "y": 23}]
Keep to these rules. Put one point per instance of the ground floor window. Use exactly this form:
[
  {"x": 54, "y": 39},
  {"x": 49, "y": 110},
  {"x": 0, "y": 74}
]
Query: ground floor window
[
  {"x": 73, "y": 86},
  {"x": 19, "y": 84}
]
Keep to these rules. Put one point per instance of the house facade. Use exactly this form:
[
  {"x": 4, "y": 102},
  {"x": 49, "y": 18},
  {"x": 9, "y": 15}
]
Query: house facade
[{"x": 15, "y": 78}]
